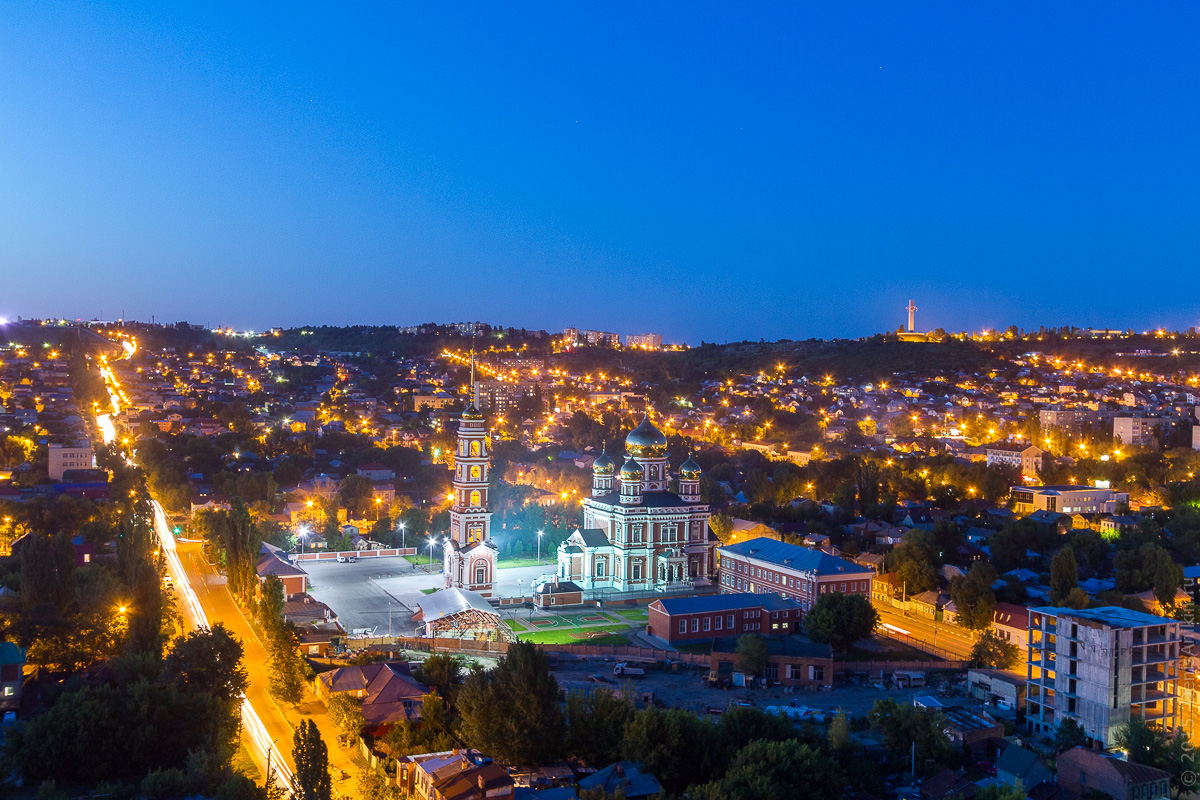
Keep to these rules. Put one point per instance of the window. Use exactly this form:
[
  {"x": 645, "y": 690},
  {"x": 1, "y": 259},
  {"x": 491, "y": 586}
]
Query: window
[
  {"x": 707, "y": 624},
  {"x": 785, "y": 625},
  {"x": 636, "y": 534},
  {"x": 816, "y": 673},
  {"x": 729, "y": 622},
  {"x": 719, "y": 620},
  {"x": 843, "y": 588},
  {"x": 635, "y": 571},
  {"x": 775, "y": 626},
  {"x": 683, "y": 626},
  {"x": 475, "y": 472},
  {"x": 695, "y": 625},
  {"x": 476, "y": 498},
  {"x": 480, "y": 573},
  {"x": 475, "y": 449}
]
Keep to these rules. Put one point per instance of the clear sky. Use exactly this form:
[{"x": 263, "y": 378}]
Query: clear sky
[{"x": 707, "y": 171}]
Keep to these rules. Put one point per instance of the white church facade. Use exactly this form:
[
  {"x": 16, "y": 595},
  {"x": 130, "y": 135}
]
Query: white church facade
[{"x": 637, "y": 535}]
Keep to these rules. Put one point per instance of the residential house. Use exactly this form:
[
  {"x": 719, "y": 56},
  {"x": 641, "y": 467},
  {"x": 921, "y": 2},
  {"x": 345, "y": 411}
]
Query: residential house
[
  {"x": 273, "y": 561},
  {"x": 1085, "y": 772},
  {"x": 1016, "y": 764},
  {"x": 626, "y": 777},
  {"x": 389, "y": 694}
]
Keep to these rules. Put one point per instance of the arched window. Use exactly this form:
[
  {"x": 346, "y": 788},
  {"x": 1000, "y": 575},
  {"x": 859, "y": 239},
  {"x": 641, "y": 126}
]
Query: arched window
[
  {"x": 475, "y": 498},
  {"x": 600, "y": 568},
  {"x": 475, "y": 449},
  {"x": 480, "y": 573},
  {"x": 475, "y": 472}
]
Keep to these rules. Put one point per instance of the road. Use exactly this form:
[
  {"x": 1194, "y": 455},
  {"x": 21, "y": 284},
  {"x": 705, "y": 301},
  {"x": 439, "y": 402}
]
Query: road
[
  {"x": 939, "y": 638},
  {"x": 205, "y": 597}
]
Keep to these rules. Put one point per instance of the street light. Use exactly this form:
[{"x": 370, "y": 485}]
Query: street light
[
  {"x": 302, "y": 535},
  {"x": 400, "y": 526},
  {"x": 431, "y": 542},
  {"x": 539, "y": 547}
]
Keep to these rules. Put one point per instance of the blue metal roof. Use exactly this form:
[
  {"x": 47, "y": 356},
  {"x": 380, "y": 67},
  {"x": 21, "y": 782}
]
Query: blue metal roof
[
  {"x": 791, "y": 556},
  {"x": 726, "y": 602}
]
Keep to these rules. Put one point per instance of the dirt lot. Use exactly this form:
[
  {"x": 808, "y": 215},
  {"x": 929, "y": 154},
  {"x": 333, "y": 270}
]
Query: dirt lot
[{"x": 686, "y": 689}]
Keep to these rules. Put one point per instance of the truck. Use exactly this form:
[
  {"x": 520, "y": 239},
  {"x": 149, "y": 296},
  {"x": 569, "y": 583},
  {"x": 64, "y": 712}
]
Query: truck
[{"x": 623, "y": 670}]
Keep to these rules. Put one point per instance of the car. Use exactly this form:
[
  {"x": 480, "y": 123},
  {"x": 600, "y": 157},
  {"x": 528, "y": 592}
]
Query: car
[
  {"x": 168, "y": 580},
  {"x": 352, "y": 559}
]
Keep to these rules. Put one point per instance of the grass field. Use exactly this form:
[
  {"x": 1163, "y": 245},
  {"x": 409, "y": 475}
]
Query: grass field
[
  {"x": 428, "y": 591},
  {"x": 516, "y": 625},
  {"x": 633, "y": 613},
  {"x": 529, "y": 561},
  {"x": 601, "y": 634}
]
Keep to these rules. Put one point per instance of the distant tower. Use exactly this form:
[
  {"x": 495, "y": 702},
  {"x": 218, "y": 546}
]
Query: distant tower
[{"x": 912, "y": 316}]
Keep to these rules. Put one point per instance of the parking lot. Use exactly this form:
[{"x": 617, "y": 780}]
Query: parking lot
[
  {"x": 364, "y": 592},
  {"x": 686, "y": 689}
]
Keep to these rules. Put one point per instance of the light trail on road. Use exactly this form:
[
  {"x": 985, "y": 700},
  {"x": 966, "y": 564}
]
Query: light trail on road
[{"x": 250, "y": 719}]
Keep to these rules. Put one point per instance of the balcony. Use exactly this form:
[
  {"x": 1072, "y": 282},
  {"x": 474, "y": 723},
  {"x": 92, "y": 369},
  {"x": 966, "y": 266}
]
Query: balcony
[
  {"x": 1043, "y": 659},
  {"x": 1141, "y": 656},
  {"x": 1150, "y": 676}
]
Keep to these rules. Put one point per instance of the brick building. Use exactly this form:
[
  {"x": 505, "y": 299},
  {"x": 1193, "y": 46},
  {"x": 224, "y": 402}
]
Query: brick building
[
  {"x": 767, "y": 566},
  {"x": 691, "y": 619}
]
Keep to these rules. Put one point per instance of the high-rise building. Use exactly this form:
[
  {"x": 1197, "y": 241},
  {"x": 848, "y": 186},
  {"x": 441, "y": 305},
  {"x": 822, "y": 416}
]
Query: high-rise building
[
  {"x": 1101, "y": 667},
  {"x": 644, "y": 341},
  {"x": 469, "y": 555},
  {"x": 1137, "y": 431}
]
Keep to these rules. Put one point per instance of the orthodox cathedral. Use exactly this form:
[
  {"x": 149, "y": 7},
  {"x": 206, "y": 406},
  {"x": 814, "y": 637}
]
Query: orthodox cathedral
[
  {"x": 638, "y": 536},
  {"x": 468, "y": 554}
]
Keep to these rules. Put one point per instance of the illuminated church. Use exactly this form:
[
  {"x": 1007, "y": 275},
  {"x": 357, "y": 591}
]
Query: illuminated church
[
  {"x": 469, "y": 556},
  {"x": 638, "y": 536}
]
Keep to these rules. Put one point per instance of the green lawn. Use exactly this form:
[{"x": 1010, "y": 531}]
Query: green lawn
[
  {"x": 428, "y": 591},
  {"x": 633, "y": 613},
  {"x": 613, "y": 634},
  {"x": 516, "y": 625},
  {"x": 527, "y": 561}
]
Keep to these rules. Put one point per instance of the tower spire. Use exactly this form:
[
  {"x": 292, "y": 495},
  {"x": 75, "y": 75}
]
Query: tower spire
[{"x": 472, "y": 368}]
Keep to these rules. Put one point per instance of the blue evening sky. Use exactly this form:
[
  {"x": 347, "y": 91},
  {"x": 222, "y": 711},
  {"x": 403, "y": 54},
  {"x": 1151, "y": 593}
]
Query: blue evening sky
[{"x": 707, "y": 171}]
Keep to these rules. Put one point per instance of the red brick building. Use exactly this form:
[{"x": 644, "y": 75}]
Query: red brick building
[
  {"x": 693, "y": 619},
  {"x": 767, "y": 566}
]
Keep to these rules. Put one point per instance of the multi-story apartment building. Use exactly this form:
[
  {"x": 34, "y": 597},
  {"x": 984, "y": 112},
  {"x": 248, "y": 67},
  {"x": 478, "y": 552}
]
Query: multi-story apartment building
[
  {"x": 1137, "y": 431},
  {"x": 764, "y": 565},
  {"x": 1070, "y": 420},
  {"x": 1066, "y": 499},
  {"x": 1100, "y": 667},
  {"x": 644, "y": 341},
  {"x": 1026, "y": 458},
  {"x": 64, "y": 457},
  {"x": 502, "y": 396}
]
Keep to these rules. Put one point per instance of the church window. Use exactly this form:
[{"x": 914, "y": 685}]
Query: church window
[
  {"x": 653, "y": 473},
  {"x": 480, "y": 573},
  {"x": 636, "y": 534},
  {"x": 475, "y": 472},
  {"x": 600, "y": 568},
  {"x": 475, "y": 449},
  {"x": 475, "y": 498},
  {"x": 635, "y": 571}
]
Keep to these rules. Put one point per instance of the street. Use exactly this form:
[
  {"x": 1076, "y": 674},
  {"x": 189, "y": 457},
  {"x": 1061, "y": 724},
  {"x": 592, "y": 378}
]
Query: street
[{"x": 940, "y": 638}]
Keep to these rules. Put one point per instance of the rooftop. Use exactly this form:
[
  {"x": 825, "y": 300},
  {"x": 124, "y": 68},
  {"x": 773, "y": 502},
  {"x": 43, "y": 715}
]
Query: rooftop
[
  {"x": 792, "y": 556},
  {"x": 1113, "y": 616}
]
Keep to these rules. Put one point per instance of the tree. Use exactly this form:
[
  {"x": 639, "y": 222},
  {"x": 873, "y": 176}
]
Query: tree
[
  {"x": 721, "y": 526},
  {"x": 1064, "y": 575},
  {"x": 208, "y": 660},
  {"x": 1077, "y": 598},
  {"x": 839, "y": 731},
  {"x": 914, "y": 563},
  {"x": 312, "y": 762},
  {"x": 595, "y": 723},
  {"x": 1002, "y": 791},
  {"x": 776, "y": 771},
  {"x": 512, "y": 711},
  {"x": 992, "y": 651},
  {"x": 346, "y": 712},
  {"x": 973, "y": 596},
  {"x": 912, "y": 730},
  {"x": 752, "y": 653},
  {"x": 677, "y": 746},
  {"x": 442, "y": 672},
  {"x": 840, "y": 620},
  {"x": 1068, "y": 734}
]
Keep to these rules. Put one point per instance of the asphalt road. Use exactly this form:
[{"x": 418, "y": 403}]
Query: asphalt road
[{"x": 939, "y": 638}]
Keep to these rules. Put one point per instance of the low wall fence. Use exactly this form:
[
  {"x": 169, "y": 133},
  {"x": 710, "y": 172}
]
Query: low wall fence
[
  {"x": 848, "y": 667},
  {"x": 332, "y": 555}
]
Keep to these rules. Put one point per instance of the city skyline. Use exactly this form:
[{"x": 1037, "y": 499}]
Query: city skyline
[{"x": 813, "y": 168}]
